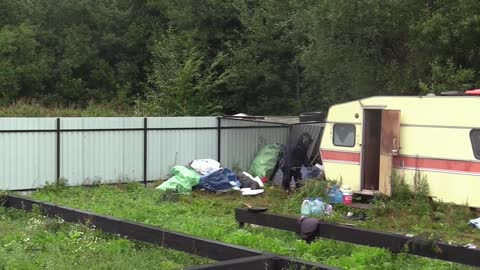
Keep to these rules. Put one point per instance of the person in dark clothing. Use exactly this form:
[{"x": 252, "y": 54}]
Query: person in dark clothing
[{"x": 296, "y": 156}]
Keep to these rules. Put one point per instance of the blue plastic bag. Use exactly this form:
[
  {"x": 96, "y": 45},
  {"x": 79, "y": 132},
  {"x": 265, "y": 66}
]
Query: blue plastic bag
[
  {"x": 335, "y": 195},
  {"x": 222, "y": 179}
]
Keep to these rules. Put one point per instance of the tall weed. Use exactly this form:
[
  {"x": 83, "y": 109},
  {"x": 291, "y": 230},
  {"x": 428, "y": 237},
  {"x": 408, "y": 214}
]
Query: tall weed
[
  {"x": 418, "y": 191},
  {"x": 56, "y": 186},
  {"x": 415, "y": 198}
]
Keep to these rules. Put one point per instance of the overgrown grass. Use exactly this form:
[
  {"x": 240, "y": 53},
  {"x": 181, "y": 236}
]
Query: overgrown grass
[
  {"x": 33, "y": 109},
  {"x": 31, "y": 241},
  {"x": 211, "y": 216},
  {"x": 411, "y": 210}
]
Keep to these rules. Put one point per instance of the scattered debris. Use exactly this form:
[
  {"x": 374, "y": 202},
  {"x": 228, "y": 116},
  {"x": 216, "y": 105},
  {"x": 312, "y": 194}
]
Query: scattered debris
[
  {"x": 475, "y": 223},
  {"x": 248, "y": 182},
  {"x": 249, "y": 191},
  {"x": 470, "y": 246},
  {"x": 256, "y": 179},
  {"x": 255, "y": 209},
  {"x": 311, "y": 172},
  {"x": 328, "y": 210},
  {"x": 360, "y": 216}
]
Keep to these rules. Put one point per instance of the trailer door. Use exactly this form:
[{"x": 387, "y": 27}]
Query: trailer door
[{"x": 389, "y": 147}]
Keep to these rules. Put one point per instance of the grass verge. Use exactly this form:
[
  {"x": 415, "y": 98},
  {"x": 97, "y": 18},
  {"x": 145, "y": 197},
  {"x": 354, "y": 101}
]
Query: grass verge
[
  {"x": 31, "y": 241},
  {"x": 212, "y": 216}
]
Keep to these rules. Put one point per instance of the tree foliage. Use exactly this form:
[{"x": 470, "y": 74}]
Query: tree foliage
[{"x": 209, "y": 57}]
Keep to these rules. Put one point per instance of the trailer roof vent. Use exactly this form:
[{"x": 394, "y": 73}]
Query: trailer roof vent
[
  {"x": 311, "y": 117},
  {"x": 451, "y": 93}
]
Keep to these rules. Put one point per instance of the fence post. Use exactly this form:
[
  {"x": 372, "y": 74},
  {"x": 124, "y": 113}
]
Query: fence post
[
  {"x": 145, "y": 154},
  {"x": 287, "y": 160},
  {"x": 58, "y": 151},
  {"x": 219, "y": 138}
]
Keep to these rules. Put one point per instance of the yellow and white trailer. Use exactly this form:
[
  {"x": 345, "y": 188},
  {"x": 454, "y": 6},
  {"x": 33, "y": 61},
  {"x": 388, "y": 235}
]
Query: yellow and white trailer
[{"x": 366, "y": 140}]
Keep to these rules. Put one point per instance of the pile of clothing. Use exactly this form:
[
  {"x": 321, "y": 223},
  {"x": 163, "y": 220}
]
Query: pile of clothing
[{"x": 209, "y": 175}]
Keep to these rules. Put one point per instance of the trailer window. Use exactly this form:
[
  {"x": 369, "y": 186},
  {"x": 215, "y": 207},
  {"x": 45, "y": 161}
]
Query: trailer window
[
  {"x": 344, "y": 135},
  {"x": 475, "y": 140}
]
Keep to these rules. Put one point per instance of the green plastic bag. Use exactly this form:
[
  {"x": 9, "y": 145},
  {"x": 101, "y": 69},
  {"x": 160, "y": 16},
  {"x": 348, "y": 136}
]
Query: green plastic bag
[
  {"x": 265, "y": 161},
  {"x": 182, "y": 180}
]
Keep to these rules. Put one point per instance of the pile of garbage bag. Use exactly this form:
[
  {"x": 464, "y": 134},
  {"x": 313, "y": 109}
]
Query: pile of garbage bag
[
  {"x": 273, "y": 163},
  {"x": 220, "y": 180},
  {"x": 285, "y": 164},
  {"x": 265, "y": 161},
  {"x": 209, "y": 175},
  {"x": 182, "y": 180}
]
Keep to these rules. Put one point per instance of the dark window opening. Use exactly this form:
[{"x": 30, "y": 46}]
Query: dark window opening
[
  {"x": 344, "y": 135},
  {"x": 475, "y": 140}
]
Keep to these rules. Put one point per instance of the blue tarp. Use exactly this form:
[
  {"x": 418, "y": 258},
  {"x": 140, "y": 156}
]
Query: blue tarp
[{"x": 222, "y": 179}]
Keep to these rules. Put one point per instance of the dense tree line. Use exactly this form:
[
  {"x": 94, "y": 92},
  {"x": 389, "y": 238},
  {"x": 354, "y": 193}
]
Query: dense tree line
[{"x": 190, "y": 57}]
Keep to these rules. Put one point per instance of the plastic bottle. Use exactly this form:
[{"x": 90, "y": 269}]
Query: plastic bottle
[
  {"x": 338, "y": 196},
  {"x": 305, "y": 209},
  {"x": 331, "y": 194},
  {"x": 311, "y": 201},
  {"x": 335, "y": 195},
  {"x": 323, "y": 205},
  {"x": 293, "y": 185},
  {"x": 313, "y": 207},
  {"x": 318, "y": 208}
]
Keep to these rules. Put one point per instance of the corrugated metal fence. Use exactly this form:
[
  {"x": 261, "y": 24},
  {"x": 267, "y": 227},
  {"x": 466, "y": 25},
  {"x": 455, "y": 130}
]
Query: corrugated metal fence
[
  {"x": 241, "y": 140},
  {"x": 37, "y": 151}
]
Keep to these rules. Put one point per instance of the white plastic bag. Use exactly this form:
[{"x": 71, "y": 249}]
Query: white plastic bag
[
  {"x": 249, "y": 191},
  {"x": 205, "y": 166},
  {"x": 475, "y": 223},
  {"x": 256, "y": 179}
]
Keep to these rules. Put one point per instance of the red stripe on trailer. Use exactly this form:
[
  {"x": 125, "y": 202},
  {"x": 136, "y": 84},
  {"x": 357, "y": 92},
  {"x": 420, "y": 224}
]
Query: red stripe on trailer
[
  {"x": 447, "y": 165},
  {"x": 400, "y": 162},
  {"x": 337, "y": 156}
]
